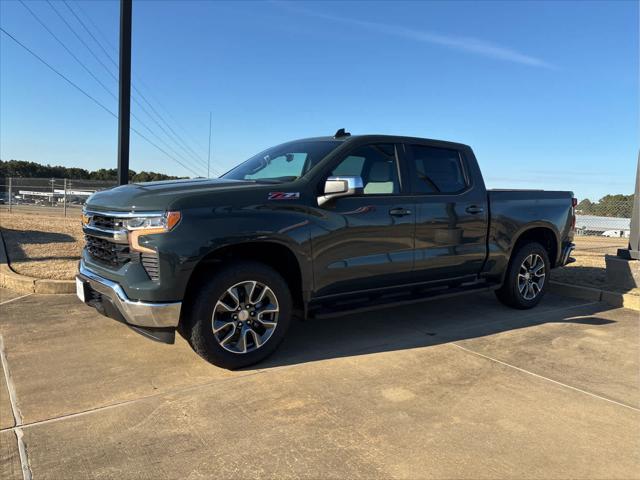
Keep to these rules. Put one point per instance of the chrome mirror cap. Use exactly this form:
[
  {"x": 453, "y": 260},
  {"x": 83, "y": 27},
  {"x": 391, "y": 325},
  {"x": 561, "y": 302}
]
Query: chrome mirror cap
[{"x": 341, "y": 186}]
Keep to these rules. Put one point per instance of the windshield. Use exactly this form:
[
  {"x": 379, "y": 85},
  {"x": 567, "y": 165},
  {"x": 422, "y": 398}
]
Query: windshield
[{"x": 283, "y": 163}]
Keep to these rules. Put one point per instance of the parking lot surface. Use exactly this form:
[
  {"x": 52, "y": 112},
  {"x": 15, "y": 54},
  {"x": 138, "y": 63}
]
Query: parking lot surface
[{"x": 456, "y": 388}]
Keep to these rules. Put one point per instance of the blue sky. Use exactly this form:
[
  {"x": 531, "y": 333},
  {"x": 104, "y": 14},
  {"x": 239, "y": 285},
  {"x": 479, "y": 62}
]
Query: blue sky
[{"x": 545, "y": 92}]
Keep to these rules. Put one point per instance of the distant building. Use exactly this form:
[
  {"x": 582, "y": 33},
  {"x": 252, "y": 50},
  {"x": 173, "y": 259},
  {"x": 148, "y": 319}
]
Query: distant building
[{"x": 604, "y": 226}]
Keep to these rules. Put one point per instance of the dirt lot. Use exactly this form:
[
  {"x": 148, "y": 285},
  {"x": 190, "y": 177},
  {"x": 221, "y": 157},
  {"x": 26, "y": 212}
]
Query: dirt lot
[
  {"x": 43, "y": 246},
  {"x": 446, "y": 389},
  {"x": 589, "y": 267}
]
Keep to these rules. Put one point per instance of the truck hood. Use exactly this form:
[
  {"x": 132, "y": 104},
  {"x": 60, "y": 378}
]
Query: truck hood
[{"x": 155, "y": 196}]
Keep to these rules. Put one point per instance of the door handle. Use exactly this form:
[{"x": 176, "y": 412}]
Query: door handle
[
  {"x": 474, "y": 209},
  {"x": 399, "y": 212}
]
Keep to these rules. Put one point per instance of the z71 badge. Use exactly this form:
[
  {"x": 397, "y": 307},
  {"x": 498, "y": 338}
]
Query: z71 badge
[{"x": 283, "y": 196}]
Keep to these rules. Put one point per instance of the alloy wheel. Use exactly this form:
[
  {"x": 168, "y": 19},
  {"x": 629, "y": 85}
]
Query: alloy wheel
[
  {"x": 245, "y": 317},
  {"x": 531, "y": 276}
]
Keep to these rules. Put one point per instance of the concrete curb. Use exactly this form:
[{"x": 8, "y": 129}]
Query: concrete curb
[
  {"x": 24, "y": 284},
  {"x": 597, "y": 295}
]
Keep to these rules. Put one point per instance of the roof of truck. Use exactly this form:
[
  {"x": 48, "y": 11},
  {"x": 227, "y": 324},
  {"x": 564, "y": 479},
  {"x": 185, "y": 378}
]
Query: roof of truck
[{"x": 384, "y": 138}]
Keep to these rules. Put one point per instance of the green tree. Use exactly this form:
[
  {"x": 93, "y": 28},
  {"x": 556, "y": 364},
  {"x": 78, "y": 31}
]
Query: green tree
[
  {"x": 23, "y": 169},
  {"x": 614, "y": 206},
  {"x": 585, "y": 207}
]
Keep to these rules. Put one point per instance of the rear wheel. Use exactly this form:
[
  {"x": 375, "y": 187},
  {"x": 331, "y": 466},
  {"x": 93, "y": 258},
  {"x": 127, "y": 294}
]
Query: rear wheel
[
  {"x": 527, "y": 277},
  {"x": 240, "y": 315}
]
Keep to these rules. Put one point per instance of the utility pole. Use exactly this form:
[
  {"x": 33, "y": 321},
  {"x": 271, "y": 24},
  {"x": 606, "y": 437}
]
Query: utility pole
[
  {"x": 209, "y": 155},
  {"x": 65, "y": 197},
  {"x": 124, "y": 108}
]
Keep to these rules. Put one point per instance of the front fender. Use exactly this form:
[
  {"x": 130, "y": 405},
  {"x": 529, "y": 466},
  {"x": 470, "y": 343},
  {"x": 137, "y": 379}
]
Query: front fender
[{"x": 203, "y": 231}]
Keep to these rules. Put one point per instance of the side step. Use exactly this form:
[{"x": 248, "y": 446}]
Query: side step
[{"x": 335, "y": 307}]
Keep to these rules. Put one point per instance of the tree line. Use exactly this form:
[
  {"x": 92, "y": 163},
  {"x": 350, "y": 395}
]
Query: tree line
[
  {"x": 24, "y": 169},
  {"x": 608, "y": 206}
]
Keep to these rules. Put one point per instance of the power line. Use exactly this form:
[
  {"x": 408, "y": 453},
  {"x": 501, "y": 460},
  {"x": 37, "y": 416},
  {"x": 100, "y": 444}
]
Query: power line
[
  {"x": 81, "y": 90},
  {"x": 108, "y": 71},
  {"x": 91, "y": 73},
  {"x": 104, "y": 37},
  {"x": 67, "y": 49},
  {"x": 176, "y": 137},
  {"x": 82, "y": 40},
  {"x": 56, "y": 71},
  {"x": 97, "y": 29},
  {"x": 89, "y": 32}
]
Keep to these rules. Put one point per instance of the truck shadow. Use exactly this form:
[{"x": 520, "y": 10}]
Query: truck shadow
[
  {"x": 421, "y": 325},
  {"x": 16, "y": 240}
]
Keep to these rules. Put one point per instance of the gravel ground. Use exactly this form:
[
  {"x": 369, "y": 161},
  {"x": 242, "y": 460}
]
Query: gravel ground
[
  {"x": 48, "y": 246},
  {"x": 43, "y": 246}
]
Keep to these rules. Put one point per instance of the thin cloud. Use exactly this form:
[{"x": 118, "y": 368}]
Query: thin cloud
[{"x": 466, "y": 44}]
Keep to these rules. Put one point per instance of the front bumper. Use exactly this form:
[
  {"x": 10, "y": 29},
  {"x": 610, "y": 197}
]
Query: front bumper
[{"x": 109, "y": 298}]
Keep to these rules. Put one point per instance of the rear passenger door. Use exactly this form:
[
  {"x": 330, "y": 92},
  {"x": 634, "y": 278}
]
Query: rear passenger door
[{"x": 451, "y": 213}]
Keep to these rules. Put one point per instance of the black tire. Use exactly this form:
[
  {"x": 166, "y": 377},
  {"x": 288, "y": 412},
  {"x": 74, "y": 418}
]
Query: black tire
[
  {"x": 510, "y": 293},
  {"x": 198, "y": 327}
]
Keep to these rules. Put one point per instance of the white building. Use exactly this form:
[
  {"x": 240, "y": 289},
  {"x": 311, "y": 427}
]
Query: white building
[{"x": 605, "y": 226}]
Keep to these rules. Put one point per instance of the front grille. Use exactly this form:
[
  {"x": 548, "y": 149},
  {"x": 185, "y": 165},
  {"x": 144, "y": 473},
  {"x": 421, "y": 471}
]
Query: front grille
[
  {"x": 151, "y": 265},
  {"x": 104, "y": 251},
  {"x": 107, "y": 223}
]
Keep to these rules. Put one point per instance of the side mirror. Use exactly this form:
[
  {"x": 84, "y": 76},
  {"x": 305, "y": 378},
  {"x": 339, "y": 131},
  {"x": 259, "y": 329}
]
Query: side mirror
[{"x": 336, "y": 187}]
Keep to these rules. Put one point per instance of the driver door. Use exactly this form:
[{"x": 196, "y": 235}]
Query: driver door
[{"x": 368, "y": 239}]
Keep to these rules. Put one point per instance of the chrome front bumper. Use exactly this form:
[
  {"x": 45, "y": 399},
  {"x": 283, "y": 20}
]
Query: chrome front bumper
[{"x": 142, "y": 314}]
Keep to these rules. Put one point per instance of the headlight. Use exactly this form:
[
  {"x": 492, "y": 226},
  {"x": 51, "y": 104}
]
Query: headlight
[{"x": 139, "y": 226}]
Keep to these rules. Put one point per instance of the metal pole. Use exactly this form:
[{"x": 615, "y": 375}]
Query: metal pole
[
  {"x": 10, "y": 193},
  {"x": 124, "y": 110},
  {"x": 65, "y": 197},
  {"x": 209, "y": 155},
  {"x": 634, "y": 238}
]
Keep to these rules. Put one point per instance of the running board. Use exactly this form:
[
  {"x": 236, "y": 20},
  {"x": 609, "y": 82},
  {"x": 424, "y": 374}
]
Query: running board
[{"x": 337, "y": 307}]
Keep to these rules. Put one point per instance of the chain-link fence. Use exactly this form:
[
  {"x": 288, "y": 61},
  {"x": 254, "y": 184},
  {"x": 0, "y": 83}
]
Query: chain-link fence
[
  {"x": 48, "y": 195},
  {"x": 604, "y": 226}
]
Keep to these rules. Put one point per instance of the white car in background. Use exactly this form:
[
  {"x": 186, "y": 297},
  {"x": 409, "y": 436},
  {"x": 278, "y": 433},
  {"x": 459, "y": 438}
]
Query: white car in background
[{"x": 616, "y": 233}]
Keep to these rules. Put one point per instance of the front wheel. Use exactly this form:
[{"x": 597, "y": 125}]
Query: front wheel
[
  {"x": 240, "y": 316},
  {"x": 527, "y": 277}
]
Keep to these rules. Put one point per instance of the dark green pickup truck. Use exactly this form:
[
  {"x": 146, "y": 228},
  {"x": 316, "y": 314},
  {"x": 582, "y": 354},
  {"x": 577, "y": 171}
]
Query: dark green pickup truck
[{"x": 314, "y": 227}]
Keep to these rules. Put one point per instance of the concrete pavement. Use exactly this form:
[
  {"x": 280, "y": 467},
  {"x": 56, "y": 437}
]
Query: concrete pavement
[{"x": 457, "y": 388}]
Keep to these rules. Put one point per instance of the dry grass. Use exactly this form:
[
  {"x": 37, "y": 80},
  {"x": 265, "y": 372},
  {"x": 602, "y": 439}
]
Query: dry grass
[{"x": 43, "y": 246}]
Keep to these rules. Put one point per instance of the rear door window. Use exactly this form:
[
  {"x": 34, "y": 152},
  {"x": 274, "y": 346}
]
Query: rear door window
[{"x": 437, "y": 170}]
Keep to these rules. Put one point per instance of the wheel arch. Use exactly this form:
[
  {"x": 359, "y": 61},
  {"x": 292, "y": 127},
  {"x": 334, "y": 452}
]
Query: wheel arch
[
  {"x": 543, "y": 233},
  {"x": 275, "y": 254}
]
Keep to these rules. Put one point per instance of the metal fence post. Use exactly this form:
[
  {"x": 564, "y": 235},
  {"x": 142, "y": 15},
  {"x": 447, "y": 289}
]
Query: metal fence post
[
  {"x": 64, "y": 201},
  {"x": 634, "y": 236},
  {"x": 10, "y": 194}
]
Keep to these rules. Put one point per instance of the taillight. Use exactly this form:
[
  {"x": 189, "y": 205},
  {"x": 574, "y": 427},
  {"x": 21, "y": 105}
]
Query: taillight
[{"x": 574, "y": 202}]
